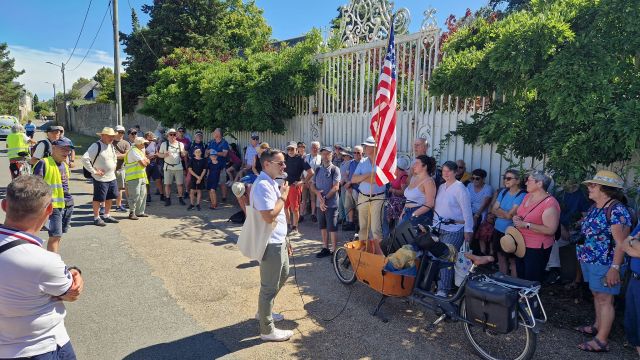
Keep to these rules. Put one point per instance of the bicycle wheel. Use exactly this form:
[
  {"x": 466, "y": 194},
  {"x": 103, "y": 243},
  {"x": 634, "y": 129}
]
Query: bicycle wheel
[
  {"x": 519, "y": 344},
  {"x": 342, "y": 266}
]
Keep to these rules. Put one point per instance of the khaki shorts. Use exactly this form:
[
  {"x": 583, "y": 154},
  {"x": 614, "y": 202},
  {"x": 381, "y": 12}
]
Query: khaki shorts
[{"x": 171, "y": 175}]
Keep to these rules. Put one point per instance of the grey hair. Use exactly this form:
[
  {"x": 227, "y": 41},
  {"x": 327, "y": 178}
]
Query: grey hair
[
  {"x": 316, "y": 143},
  {"x": 357, "y": 147},
  {"x": 426, "y": 142},
  {"x": 27, "y": 196},
  {"x": 17, "y": 128},
  {"x": 538, "y": 175}
]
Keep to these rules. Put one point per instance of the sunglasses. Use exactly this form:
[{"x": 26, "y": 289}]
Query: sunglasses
[
  {"x": 476, "y": 177},
  {"x": 281, "y": 163},
  {"x": 255, "y": 138},
  {"x": 120, "y": 132},
  {"x": 172, "y": 134},
  {"x": 507, "y": 178}
]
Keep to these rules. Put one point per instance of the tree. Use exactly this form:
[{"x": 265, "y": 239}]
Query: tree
[
  {"x": 105, "y": 77},
  {"x": 570, "y": 70},
  {"x": 249, "y": 93},
  {"x": 10, "y": 92},
  {"x": 227, "y": 27},
  {"x": 35, "y": 100}
]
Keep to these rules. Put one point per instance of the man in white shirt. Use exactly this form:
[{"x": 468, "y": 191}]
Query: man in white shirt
[
  {"x": 269, "y": 199},
  {"x": 172, "y": 151},
  {"x": 100, "y": 160},
  {"x": 43, "y": 148},
  {"x": 249, "y": 156},
  {"x": 35, "y": 281}
]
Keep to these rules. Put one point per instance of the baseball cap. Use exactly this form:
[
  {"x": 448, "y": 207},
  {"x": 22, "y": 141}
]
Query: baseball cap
[
  {"x": 63, "y": 142},
  {"x": 292, "y": 144},
  {"x": 255, "y": 136},
  {"x": 172, "y": 130},
  {"x": 140, "y": 140},
  {"x": 213, "y": 152},
  {"x": 326, "y": 148},
  {"x": 199, "y": 132},
  {"x": 55, "y": 128},
  {"x": 120, "y": 128}
]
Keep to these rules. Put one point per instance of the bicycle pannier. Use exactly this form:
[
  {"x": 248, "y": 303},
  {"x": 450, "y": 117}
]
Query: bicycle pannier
[{"x": 492, "y": 306}]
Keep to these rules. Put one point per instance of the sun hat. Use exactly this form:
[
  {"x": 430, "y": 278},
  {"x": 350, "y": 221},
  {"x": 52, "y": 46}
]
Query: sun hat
[
  {"x": 63, "y": 142},
  {"x": 326, "y": 148},
  {"x": 606, "y": 178},
  {"x": 513, "y": 242},
  {"x": 347, "y": 153},
  {"x": 292, "y": 144},
  {"x": 403, "y": 163},
  {"x": 107, "y": 131},
  {"x": 120, "y": 128},
  {"x": 369, "y": 142},
  {"x": 140, "y": 141},
  {"x": 237, "y": 188}
]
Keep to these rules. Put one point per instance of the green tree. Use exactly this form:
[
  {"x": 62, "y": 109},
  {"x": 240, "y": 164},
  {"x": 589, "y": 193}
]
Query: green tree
[
  {"x": 10, "y": 92},
  {"x": 570, "y": 70},
  {"x": 227, "y": 27},
  {"x": 78, "y": 84},
  {"x": 105, "y": 77}
]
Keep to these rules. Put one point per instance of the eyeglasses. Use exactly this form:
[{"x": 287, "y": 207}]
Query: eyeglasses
[
  {"x": 181, "y": 131},
  {"x": 476, "y": 178},
  {"x": 281, "y": 163},
  {"x": 132, "y": 133},
  {"x": 507, "y": 178},
  {"x": 120, "y": 132},
  {"x": 357, "y": 152},
  {"x": 172, "y": 134},
  {"x": 255, "y": 138}
]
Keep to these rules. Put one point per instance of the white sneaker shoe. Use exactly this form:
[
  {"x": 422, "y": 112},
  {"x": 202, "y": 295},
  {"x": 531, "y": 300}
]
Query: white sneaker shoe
[
  {"x": 277, "y": 335},
  {"x": 276, "y": 317},
  {"x": 442, "y": 293}
]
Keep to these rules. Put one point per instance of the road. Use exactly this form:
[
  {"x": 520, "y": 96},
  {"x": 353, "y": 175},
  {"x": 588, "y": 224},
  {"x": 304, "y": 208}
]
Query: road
[{"x": 174, "y": 286}]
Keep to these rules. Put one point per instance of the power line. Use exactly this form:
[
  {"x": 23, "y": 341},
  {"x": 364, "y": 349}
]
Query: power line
[
  {"x": 142, "y": 35},
  {"x": 80, "y": 34},
  {"x": 108, "y": 10}
]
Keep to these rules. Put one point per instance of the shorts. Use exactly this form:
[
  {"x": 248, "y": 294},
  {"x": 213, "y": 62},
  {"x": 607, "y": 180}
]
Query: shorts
[
  {"x": 594, "y": 274},
  {"x": 153, "y": 172},
  {"x": 30, "y": 133},
  {"x": 171, "y": 175},
  {"x": 104, "y": 190},
  {"x": 194, "y": 186},
  {"x": 120, "y": 177},
  {"x": 293, "y": 200},
  {"x": 59, "y": 221},
  {"x": 223, "y": 177},
  {"x": 327, "y": 219},
  {"x": 64, "y": 352},
  {"x": 249, "y": 179},
  {"x": 213, "y": 180}
]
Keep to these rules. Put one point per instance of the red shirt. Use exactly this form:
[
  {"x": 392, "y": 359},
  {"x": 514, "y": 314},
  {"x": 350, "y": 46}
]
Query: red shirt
[{"x": 533, "y": 214}]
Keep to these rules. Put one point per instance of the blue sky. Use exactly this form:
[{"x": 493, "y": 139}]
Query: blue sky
[{"x": 42, "y": 30}]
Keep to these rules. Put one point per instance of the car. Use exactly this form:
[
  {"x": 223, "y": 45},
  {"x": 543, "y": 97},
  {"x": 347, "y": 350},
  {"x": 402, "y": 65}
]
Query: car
[{"x": 6, "y": 122}]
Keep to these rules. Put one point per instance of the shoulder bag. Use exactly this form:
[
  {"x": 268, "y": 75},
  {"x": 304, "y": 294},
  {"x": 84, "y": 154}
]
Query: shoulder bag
[{"x": 255, "y": 233}]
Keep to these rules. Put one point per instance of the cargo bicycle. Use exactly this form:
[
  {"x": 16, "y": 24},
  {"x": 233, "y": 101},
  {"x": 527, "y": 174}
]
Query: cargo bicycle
[{"x": 501, "y": 315}]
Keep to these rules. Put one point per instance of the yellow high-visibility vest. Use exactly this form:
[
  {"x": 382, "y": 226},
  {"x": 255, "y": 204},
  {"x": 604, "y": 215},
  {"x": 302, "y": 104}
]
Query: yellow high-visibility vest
[
  {"x": 134, "y": 170},
  {"x": 15, "y": 145}
]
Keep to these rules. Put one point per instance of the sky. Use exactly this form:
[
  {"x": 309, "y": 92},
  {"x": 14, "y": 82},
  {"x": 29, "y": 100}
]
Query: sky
[{"x": 38, "y": 31}]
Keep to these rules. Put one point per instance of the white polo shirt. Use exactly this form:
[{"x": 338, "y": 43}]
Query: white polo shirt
[
  {"x": 264, "y": 194},
  {"x": 31, "y": 321}
]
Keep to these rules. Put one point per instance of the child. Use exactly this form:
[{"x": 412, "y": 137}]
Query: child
[
  {"x": 198, "y": 170},
  {"x": 214, "y": 168}
]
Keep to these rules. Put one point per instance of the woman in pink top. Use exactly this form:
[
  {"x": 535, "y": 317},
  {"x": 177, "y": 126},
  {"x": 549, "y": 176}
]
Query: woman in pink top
[{"x": 537, "y": 219}]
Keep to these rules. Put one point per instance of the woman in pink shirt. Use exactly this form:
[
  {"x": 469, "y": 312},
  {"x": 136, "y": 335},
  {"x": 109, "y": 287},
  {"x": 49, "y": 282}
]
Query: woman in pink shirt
[{"x": 537, "y": 219}]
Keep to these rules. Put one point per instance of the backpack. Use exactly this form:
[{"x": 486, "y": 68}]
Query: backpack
[
  {"x": 632, "y": 213},
  {"x": 238, "y": 218},
  {"x": 47, "y": 149},
  {"x": 504, "y": 192},
  {"x": 85, "y": 172}
]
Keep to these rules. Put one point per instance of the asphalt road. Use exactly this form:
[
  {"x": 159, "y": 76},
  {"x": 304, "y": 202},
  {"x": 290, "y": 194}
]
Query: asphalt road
[{"x": 174, "y": 286}]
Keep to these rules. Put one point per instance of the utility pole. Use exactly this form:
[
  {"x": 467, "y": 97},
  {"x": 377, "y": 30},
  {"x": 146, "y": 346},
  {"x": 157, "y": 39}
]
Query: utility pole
[
  {"x": 54, "y": 96},
  {"x": 116, "y": 63},
  {"x": 67, "y": 123}
]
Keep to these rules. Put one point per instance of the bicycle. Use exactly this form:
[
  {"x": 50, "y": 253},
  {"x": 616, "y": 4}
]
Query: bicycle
[
  {"x": 20, "y": 166},
  {"x": 491, "y": 336}
]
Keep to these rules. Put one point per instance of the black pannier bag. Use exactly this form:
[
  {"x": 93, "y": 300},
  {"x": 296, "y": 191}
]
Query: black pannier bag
[
  {"x": 403, "y": 234},
  {"x": 492, "y": 306},
  {"x": 534, "y": 302}
]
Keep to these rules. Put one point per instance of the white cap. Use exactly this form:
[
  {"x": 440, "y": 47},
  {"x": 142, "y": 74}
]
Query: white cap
[
  {"x": 120, "y": 128},
  {"x": 172, "y": 130}
]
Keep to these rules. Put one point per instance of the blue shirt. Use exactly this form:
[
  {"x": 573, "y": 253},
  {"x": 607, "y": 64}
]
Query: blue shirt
[
  {"x": 596, "y": 229},
  {"x": 635, "y": 262},
  {"x": 214, "y": 169},
  {"x": 572, "y": 205},
  {"x": 219, "y": 147},
  {"x": 324, "y": 179},
  {"x": 352, "y": 168},
  {"x": 364, "y": 167},
  {"x": 507, "y": 202},
  {"x": 264, "y": 194},
  {"x": 30, "y": 127}
]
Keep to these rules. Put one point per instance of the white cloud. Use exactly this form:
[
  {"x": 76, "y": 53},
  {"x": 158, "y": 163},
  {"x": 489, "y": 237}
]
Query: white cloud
[{"x": 37, "y": 71}]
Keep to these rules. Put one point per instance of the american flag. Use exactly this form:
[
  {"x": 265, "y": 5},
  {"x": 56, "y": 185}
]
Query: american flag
[{"x": 383, "y": 119}]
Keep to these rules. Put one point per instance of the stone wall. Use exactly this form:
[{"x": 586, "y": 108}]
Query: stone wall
[{"x": 90, "y": 119}]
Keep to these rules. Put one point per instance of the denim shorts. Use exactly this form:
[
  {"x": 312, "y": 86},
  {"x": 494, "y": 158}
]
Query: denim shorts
[
  {"x": 59, "y": 221},
  {"x": 594, "y": 274},
  {"x": 328, "y": 219},
  {"x": 64, "y": 352}
]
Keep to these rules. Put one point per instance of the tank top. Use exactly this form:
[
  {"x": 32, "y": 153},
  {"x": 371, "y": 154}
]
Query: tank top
[
  {"x": 414, "y": 196},
  {"x": 533, "y": 214}
]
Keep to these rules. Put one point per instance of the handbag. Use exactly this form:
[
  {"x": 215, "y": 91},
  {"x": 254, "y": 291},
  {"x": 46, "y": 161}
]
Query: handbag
[
  {"x": 255, "y": 234},
  {"x": 463, "y": 264}
]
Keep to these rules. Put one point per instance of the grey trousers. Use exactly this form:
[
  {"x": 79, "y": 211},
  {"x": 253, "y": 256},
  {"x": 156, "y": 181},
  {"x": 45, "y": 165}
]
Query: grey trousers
[
  {"x": 274, "y": 270},
  {"x": 137, "y": 196},
  {"x": 446, "y": 274}
]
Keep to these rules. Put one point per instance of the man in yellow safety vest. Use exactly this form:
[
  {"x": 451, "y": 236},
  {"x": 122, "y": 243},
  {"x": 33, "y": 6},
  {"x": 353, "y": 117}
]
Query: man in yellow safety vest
[
  {"x": 17, "y": 148},
  {"x": 136, "y": 178},
  {"x": 55, "y": 172}
]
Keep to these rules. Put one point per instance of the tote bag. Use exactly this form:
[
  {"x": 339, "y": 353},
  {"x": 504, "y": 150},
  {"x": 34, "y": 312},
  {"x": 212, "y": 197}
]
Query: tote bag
[
  {"x": 462, "y": 265},
  {"x": 255, "y": 234}
]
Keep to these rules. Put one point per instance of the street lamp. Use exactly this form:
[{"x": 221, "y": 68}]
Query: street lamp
[
  {"x": 64, "y": 92},
  {"x": 54, "y": 97}
]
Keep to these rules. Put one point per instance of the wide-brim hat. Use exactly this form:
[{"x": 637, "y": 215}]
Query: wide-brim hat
[
  {"x": 237, "y": 188},
  {"x": 513, "y": 242},
  {"x": 370, "y": 141},
  {"x": 140, "y": 141},
  {"x": 107, "y": 131},
  {"x": 326, "y": 148},
  {"x": 606, "y": 178},
  {"x": 404, "y": 163}
]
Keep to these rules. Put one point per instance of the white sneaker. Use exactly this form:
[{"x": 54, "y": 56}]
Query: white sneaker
[
  {"x": 277, "y": 335},
  {"x": 275, "y": 316},
  {"x": 442, "y": 293}
]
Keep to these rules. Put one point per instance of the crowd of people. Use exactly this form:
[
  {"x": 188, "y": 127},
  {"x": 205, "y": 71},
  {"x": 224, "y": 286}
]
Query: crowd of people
[{"x": 522, "y": 224}]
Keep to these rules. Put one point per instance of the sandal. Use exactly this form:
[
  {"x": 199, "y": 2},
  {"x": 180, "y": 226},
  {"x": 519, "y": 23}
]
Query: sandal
[
  {"x": 586, "y": 346},
  {"x": 587, "y": 330}
]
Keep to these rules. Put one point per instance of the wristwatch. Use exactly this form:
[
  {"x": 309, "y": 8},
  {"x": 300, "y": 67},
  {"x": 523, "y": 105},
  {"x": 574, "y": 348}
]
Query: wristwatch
[
  {"x": 528, "y": 226},
  {"x": 614, "y": 266}
]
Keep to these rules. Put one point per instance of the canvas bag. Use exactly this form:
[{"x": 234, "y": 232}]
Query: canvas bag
[
  {"x": 463, "y": 264},
  {"x": 255, "y": 234}
]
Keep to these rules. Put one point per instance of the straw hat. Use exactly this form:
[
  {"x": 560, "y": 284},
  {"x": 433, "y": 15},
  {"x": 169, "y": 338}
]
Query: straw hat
[
  {"x": 606, "y": 178},
  {"x": 140, "y": 141},
  {"x": 513, "y": 242},
  {"x": 107, "y": 131}
]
